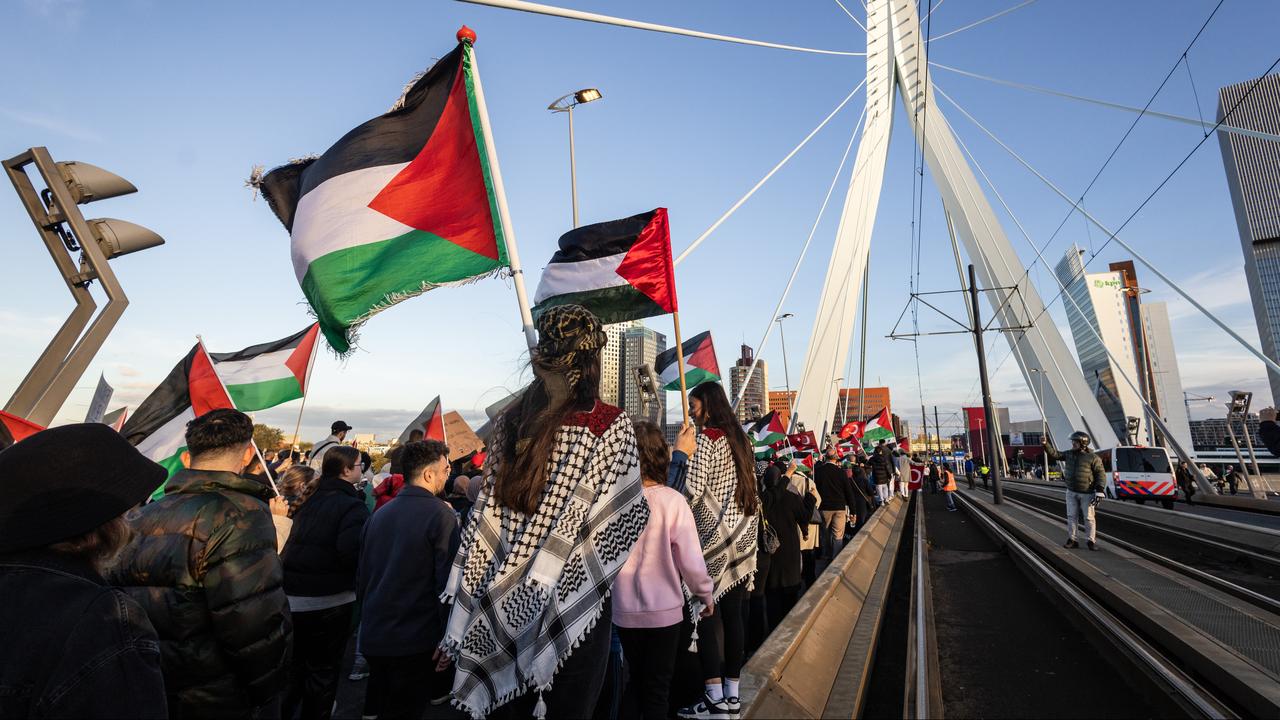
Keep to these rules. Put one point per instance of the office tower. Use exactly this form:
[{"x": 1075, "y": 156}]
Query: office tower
[
  {"x": 610, "y": 363},
  {"x": 1166, "y": 381},
  {"x": 1253, "y": 176},
  {"x": 640, "y": 346},
  {"x": 755, "y": 401}
]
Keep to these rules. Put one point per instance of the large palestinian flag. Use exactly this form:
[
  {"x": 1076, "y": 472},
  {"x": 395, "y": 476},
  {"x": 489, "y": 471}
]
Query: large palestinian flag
[
  {"x": 620, "y": 270},
  {"x": 159, "y": 426},
  {"x": 430, "y": 421},
  {"x": 269, "y": 374},
  {"x": 400, "y": 205},
  {"x": 699, "y": 363},
  {"x": 876, "y": 429}
]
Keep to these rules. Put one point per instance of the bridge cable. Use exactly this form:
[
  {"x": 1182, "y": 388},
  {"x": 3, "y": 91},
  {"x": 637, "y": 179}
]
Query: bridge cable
[{"x": 985, "y": 20}]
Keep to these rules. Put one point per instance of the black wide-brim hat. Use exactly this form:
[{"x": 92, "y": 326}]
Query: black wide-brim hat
[{"x": 65, "y": 481}]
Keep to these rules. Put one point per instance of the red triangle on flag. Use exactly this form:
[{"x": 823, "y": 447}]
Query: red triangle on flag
[
  {"x": 433, "y": 429},
  {"x": 19, "y": 428},
  {"x": 443, "y": 191},
  {"x": 648, "y": 265},
  {"x": 300, "y": 358}
]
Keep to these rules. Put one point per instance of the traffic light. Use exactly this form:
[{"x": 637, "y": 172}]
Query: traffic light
[{"x": 55, "y": 212}]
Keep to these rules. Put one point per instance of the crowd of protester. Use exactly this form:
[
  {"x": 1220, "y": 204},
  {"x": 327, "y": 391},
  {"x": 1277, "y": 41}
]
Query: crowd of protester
[{"x": 581, "y": 567}]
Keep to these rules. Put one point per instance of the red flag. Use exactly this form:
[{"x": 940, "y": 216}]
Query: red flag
[
  {"x": 18, "y": 428},
  {"x": 430, "y": 421},
  {"x": 805, "y": 441},
  {"x": 917, "y": 477},
  {"x": 851, "y": 429}
]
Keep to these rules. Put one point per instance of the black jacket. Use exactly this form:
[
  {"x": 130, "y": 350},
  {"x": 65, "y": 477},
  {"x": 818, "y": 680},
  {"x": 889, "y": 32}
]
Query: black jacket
[
  {"x": 786, "y": 512},
  {"x": 834, "y": 486},
  {"x": 203, "y": 565},
  {"x": 405, "y": 558},
  {"x": 882, "y": 467},
  {"x": 73, "y": 647},
  {"x": 324, "y": 544},
  {"x": 1269, "y": 434}
]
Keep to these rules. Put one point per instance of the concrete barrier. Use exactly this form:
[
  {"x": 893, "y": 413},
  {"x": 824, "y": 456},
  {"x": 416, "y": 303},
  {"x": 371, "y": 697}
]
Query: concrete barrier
[{"x": 816, "y": 663}]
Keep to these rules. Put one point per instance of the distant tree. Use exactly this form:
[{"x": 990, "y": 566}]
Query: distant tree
[{"x": 267, "y": 437}]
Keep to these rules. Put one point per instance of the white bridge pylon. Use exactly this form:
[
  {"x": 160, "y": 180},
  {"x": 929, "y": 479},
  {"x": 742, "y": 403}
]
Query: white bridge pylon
[{"x": 895, "y": 66}]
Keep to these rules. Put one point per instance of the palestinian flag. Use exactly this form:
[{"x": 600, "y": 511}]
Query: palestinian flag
[
  {"x": 699, "y": 363},
  {"x": 116, "y": 418},
  {"x": 620, "y": 270},
  {"x": 159, "y": 426},
  {"x": 766, "y": 431},
  {"x": 405, "y": 203},
  {"x": 269, "y": 374},
  {"x": 877, "y": 428},
  {"x": 430, "y": 421},
  {"x": 14, "y": 428}
]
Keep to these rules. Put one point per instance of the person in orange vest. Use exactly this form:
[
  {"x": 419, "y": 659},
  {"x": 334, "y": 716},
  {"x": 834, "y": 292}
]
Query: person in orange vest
[{"x": 949, "y": 487}]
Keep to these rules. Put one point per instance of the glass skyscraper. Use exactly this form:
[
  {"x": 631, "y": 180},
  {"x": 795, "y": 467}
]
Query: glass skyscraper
[{"x": 1253, "y": 176}]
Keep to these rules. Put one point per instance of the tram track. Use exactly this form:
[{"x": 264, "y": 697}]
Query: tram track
[
  {"x": 1239, "y": 571},
  {"x": 1187, "y": 692}
]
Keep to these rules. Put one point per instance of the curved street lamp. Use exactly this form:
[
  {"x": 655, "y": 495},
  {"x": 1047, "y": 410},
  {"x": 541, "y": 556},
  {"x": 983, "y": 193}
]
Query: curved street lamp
[{"x": 566, "y": 104}]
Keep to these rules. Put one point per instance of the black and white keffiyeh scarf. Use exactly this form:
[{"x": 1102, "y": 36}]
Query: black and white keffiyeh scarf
[
  {"x": 728, "y": 536},
  {"x": 530, "y": 587}
]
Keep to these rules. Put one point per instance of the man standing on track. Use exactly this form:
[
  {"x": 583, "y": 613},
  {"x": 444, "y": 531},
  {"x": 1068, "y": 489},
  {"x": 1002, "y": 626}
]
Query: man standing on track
[{"x": 1085, "y": 481}]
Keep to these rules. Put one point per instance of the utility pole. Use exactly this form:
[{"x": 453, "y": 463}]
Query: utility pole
[
  {"x": 937, "y": 427},
  {"x": 993, "y": 441},
  {"x": 924, "y": 420}
]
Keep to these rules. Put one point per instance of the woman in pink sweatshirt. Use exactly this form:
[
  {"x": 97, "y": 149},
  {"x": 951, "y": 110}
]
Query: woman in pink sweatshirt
[{"x": 648, "y": 600}]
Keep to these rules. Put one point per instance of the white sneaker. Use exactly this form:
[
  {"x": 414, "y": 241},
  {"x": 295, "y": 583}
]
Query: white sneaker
[
  {"x": 735, "y": 707},
  {"x": 706, "y": 709},
  {"x": 359, "y": 669}
]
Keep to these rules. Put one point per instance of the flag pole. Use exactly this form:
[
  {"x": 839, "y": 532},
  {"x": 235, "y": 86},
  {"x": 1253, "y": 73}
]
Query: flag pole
[
  {"x": 684, "y": 391},
  {"x": 265, "y": 470},
  {"x": 468, "y": 37},
  {"x": 297, "y": 428}
]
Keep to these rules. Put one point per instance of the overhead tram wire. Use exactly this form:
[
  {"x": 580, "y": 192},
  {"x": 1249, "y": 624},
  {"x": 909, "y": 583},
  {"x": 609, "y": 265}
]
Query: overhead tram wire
[
  {"x": 795, "y": 270},
  {"x": 983, "y": 21},
  {"x": 1115, "y": 234},
  {"x": 706, "y": 233},
  {"x": 541, "y": 9}
]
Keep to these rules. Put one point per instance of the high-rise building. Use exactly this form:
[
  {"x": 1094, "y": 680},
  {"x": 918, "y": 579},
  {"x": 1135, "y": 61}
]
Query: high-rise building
[
  {"x": 610, "y": 363},
  {"x": 1253, "y": 174},
  {"x": 1101, "y": 301},
  {"x": 1166, "y": 381},
  {"x": 1140, "y": 342},
  {"x": 640, "y": 346},
  {"x": 755, "y": 401}
]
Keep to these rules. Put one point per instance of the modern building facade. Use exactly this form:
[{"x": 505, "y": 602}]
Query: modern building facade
[
  {"x": 1253, "y": 177},
  {"x": 611, "y": 364},
  {"x": 755, "y": 401},
  {"x": 640, "y": 346},
  {"x": 1166, "y": 380},
  {"x": 1101, "y": 301}
]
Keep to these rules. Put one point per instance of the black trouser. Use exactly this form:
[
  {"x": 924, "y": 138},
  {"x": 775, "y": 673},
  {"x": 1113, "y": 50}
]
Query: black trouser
[
  {"x": 400, "y": 687},
  {"x": 576, "y": 685},
  {"x": 721, "y": 636},
  {"x": 319, "y": 640},
  {"x": 780, "y": 600},
  {"x": 651, "y": 657}
]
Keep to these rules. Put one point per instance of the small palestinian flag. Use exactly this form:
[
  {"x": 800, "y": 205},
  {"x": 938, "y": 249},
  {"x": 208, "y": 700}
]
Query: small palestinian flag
[
  {"x": 877, "y": 428},
  {"x": 620, "y": 270},
  {"x": 116, "y": 418},
  {"x": 158, "y": 428},
  {"x": 269, "y": 374},
  {"x": 14, "y": 428},
  {"x": 403, "y": 204},
  {"x": 430, "y": 421},
  {"x": 699, "y": 363},
  {"x": 766, "y": 431}
]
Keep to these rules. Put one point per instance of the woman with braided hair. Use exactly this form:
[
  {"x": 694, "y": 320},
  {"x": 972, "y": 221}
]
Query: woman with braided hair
[
  {"x": 721, "y": 488},
  {"x": 559, "y": 509}
]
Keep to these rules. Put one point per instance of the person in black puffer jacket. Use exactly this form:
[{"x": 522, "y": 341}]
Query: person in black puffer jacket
[
  {"x": 203, "y": 565},
  {"x": 786, "y": 512},
  {"x": 320, "y": 580}
]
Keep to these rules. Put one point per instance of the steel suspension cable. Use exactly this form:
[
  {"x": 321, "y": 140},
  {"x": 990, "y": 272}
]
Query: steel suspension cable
[{"x": 985, "y": 20}]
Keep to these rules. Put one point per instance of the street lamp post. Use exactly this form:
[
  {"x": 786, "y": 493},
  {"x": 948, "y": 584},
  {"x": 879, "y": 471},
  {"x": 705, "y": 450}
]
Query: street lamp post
[
  {"x": 786, "y": 373},
  {"x": 566, "y": 104},
  {"x": 1044, "y": 424}
]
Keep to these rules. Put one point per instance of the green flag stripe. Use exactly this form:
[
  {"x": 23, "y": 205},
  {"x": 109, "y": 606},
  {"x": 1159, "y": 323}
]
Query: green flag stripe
[
  {"x": 349, "y": 284},
  {"x": 172, "y": 465},
  {"x": 693, "y": 376},
  {"x": 612, "y": 304},
  {"x": 266, "y": 394}
]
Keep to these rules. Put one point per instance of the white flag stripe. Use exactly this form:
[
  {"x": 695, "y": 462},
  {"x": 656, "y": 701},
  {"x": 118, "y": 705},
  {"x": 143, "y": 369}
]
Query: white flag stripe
[
  {"x": 335, "y": 215},
  {"x": 267, "y": 366},
  {"x": 585, "y": 275},
  {"x": 171, "y": 436}
]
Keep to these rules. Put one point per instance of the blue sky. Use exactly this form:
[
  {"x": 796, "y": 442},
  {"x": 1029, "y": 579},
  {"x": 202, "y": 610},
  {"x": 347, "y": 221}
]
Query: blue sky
[{"x": 184, "y": 99}]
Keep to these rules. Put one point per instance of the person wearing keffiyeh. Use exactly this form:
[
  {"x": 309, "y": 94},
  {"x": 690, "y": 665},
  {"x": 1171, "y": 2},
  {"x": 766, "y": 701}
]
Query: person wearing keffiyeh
[
  {"x": 721, "y": 488},
  {"x": 559, "y": 509}
]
